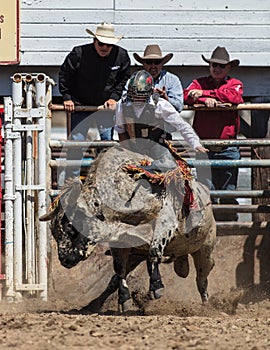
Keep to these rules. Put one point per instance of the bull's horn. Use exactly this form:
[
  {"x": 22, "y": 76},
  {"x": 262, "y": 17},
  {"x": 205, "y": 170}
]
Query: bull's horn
[{"x": 46, "y": 217}]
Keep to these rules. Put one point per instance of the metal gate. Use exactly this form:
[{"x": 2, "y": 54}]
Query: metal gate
[{"x": 25, "y": 188}]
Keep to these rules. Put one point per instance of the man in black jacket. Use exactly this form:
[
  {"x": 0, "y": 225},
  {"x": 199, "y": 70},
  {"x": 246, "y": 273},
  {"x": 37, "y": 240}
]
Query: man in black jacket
[{"x": 93, "y": 75}]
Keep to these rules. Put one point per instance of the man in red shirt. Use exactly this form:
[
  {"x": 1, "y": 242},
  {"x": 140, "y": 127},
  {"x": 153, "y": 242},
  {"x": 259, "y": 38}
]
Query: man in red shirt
[{"x": 215, "y": 89}]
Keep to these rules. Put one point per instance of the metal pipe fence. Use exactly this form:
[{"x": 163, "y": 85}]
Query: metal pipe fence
[
  {"x": 31, "y": 158},
  {"x": 243, "y": 143}
]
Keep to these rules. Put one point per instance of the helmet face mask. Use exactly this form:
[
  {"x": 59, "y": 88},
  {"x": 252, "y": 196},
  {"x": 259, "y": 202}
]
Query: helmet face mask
[{"x": 140, "y": 87}]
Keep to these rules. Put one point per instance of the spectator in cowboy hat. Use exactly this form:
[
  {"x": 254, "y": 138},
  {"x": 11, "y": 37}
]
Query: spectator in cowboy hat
[
  {"x": 167, "y": 85},
  {"x": 213, "y": 90},
  {"x": 94, "y": 74}
]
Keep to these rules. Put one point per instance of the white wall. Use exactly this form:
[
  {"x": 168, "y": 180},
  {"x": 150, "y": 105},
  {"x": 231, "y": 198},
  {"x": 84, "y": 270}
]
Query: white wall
[
  {"x": 188, "y": 28},
  {"x": 49, "y": 28}
]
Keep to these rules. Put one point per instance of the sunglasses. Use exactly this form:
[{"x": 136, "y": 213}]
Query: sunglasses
[
  {"x": 215, "y": 65},
  {"x": 103, "y": 44},
  {"x": 155, "y": 62}
]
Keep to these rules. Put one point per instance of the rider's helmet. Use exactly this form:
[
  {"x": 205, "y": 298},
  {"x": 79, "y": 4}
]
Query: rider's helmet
[{"x": 140, "y": 86}]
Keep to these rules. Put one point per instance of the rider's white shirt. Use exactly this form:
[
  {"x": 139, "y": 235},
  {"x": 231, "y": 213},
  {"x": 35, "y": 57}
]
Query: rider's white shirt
[{"x": 164, "y": 110}]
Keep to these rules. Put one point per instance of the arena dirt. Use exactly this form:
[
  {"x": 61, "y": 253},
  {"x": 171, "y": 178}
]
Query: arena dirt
[
  {"x": 164, "y": 325},
  {"x": 235, "y": 318}
]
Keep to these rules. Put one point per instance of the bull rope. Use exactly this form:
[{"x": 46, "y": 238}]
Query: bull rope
[{"x": 182, "y": 172}]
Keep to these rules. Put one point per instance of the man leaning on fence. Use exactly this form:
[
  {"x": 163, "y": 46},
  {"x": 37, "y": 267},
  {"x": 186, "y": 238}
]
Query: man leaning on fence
[
  {"x": 94, "y": 75},
  {"x": 214, "y": 90},
  {"x": 167, "y": 84}
]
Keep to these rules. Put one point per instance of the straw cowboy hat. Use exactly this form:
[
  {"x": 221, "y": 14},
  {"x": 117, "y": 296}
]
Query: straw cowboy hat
[
  {"x": 153, "y": 52},
  {"x": 220, "y": 55},
  {"x": 105, "y": 34}
]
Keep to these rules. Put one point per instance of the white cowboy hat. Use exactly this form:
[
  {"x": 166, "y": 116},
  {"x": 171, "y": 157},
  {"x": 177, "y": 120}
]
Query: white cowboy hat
[
  {"x": 153, "y": 52},
  {"x": 105, "y": 34}
]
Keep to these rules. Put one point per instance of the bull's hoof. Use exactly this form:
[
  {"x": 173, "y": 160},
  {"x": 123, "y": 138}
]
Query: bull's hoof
[
  {"x": 156, "y": 294},
  {"x": 124, "y": 307},
  {"x": 205, "y": 298},
  {"x": 156, "y": 289}
]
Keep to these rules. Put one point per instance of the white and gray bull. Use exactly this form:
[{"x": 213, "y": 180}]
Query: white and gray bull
[{"x": 111, "y": 207}]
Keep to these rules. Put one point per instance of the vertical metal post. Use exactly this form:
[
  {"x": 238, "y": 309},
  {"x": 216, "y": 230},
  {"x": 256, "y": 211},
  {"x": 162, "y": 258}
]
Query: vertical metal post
[
  {"x": 17, "y": 179},
  {"x": 8, "y": 199},
  {"x": 29, "y": 174},
  {"x": 42, "y": 248},
  {"x": 17, "y": 96},
  {"x": 17, "y": 175},
  {"x": 40, "y": 90},
  {"x": 48, "y": 127}
]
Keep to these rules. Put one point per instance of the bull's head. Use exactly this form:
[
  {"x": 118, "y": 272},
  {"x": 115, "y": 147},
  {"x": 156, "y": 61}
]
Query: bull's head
[{"x": 67, "y": 226}]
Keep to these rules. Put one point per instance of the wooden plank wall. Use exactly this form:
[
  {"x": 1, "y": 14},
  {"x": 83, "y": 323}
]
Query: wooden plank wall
[
  {"x": 188, "y": 28},
  {"x": 49, "y": 28}
]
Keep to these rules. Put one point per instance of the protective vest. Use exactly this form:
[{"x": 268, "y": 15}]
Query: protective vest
[{"x": 147, "y": 126}]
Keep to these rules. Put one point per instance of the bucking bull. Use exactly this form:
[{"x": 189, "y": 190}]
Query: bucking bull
[{"x": 118, "y": 209}]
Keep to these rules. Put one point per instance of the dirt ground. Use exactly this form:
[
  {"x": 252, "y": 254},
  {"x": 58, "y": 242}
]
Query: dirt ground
[
  {"x": 165, "y": 324},
  {"x": 235, "y": 317}
]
